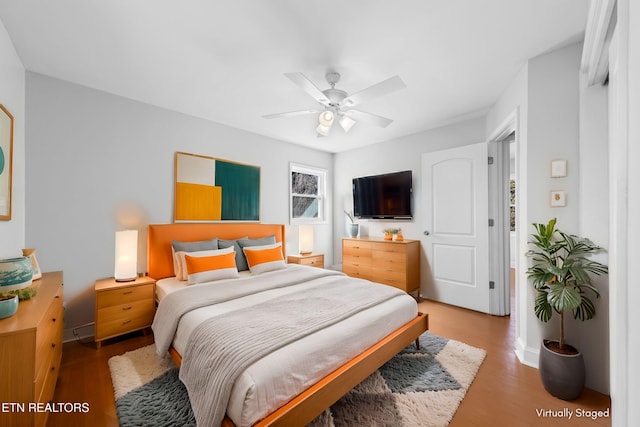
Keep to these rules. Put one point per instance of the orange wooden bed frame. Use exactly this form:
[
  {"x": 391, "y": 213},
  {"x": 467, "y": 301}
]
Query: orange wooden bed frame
[{"x": 313, "y": 401}]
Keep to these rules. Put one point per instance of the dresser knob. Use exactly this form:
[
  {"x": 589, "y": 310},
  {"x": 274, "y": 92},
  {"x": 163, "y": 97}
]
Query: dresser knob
[
  {"x": 53, "y": 345},
  {"x": 53, "y": 319},
  {"x": 126, "y": 308}
]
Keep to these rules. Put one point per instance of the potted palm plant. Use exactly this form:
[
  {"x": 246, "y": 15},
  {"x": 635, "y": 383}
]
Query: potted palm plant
[{"x": 560, "y": 273}]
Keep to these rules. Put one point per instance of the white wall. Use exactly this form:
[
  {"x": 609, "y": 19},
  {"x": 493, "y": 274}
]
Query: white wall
[
  {"x": 12, "y": 84},
  {"x": 392, "y": 156},
  {"x": 593, "y": 219},
  {"x": 547, "y": 97},
  {"x": 98, "y": 162}
]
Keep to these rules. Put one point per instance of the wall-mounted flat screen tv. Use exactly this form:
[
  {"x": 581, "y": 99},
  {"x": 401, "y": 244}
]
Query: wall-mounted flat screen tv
[{"x": 387, "y": 196}]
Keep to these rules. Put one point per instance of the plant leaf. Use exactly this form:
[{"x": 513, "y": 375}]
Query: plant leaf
[
  {"x": 542, "y": 308},
  {"x": 586, "y": 310},
  {"x": 563, "y": 297}
]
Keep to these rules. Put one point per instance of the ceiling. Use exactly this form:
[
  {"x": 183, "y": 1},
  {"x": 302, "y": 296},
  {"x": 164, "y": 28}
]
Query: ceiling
[{"x": 225, "y": 60}]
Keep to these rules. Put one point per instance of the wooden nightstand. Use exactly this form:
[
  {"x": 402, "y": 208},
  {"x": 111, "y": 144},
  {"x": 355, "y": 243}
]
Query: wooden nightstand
[
  {"x": 123, "y": 307},
  {"x": 313, "y": 260}
]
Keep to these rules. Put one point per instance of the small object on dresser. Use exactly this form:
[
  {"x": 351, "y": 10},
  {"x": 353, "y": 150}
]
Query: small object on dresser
[
  {"x": 8, "y": 305},
  {"x": 15, "y": 273},
  {"x": 31, "y": 254}
]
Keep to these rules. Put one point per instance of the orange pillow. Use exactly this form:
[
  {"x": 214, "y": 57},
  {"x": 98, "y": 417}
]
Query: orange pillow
[
  {"x": 208, "y": 268},
  {"x": 264, "y": 258}
]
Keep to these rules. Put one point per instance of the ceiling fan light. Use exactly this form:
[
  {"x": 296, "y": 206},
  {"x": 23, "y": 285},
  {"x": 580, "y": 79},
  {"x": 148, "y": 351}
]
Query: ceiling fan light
[
  {"x": 346, "y": 123},
  {"x": 326, "y": 118},
  {"x": 323, "y": 130}
]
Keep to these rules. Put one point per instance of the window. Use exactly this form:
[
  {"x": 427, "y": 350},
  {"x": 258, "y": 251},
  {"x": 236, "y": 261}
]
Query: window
[{"x": 307, "y": 191}]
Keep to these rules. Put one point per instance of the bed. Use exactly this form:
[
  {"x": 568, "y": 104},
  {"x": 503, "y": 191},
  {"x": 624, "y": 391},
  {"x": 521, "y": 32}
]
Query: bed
[{"x": 333, "y": 367}]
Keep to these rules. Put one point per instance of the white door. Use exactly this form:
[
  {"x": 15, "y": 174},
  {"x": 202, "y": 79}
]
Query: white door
[{"x": 456, "y": 229}]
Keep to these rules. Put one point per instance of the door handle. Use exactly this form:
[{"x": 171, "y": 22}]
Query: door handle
[{"x": 426, "y": 232}]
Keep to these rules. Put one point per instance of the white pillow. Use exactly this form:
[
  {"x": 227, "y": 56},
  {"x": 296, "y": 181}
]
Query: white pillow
[
  {"x": 201, "y": 269},
  {"x": 264, "y": 258},
  {"x": 182, "y": 274}
]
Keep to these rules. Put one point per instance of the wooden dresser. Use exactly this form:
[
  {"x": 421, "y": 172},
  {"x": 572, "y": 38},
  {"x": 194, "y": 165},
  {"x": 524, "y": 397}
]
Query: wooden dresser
[
  {"x": 30, "y": 353},
  {"x": 123, "y": 307},
  {"x": 384, "y": 261}
]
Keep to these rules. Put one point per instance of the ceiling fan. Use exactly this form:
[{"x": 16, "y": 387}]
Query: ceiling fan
[{"x": 337, "y": 104}]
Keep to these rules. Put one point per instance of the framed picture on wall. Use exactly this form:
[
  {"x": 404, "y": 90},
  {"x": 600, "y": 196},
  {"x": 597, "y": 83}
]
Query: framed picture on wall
[
  {"x": 6, "y": 160},
  {"x": 558, "y": 198},
  {"x": 558, "y": 168},
  {"x": 212, "y": 189}
]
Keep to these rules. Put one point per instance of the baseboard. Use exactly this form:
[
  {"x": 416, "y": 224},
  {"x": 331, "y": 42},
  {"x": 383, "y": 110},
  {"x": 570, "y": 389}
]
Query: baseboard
[{"x": 527, "y": 355}]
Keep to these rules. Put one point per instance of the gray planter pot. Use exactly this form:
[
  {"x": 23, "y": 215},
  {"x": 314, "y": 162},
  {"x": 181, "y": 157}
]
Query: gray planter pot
[
  {"x": 562, "y": 375},
  {"x": 354, "y": 230}
]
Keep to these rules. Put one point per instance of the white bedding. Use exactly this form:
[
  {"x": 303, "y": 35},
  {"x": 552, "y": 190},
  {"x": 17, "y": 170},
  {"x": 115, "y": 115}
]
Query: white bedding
[
  {"x": 269, "y": 383},
  {"x": 170, "y": 284}
]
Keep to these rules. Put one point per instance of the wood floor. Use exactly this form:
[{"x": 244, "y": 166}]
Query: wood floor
[{"x": 504, "y": 393}]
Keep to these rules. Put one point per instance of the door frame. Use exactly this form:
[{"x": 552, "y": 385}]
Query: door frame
[{"x": 499, "y": 259}]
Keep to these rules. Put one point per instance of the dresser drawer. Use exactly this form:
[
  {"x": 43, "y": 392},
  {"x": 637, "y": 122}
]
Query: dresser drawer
[
  {"x": 390, "y": 277},
  {"x": 359, "y": 272},
  {"x": 47, "y": 372},
  {"x": 389, "y": 247},
  {"x": 356, "y": 261},
  {"x": 356, "y": 247},
  {"x": 49, "y": 332},
  {"x": 124, "y": 295},
  {"x": 398, "y": 259}
]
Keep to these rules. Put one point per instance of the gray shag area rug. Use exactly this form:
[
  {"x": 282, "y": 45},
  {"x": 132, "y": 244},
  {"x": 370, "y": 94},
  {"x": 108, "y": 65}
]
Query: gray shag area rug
[{"x": 415, "y": 388}]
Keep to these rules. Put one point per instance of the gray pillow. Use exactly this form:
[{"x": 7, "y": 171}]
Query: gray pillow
[
  {"x": 241, "y": 261},
  {"x": 202, "y": 245}
]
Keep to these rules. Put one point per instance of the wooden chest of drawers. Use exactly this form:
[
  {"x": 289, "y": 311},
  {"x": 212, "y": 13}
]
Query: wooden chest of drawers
[
  {"x": 392, "y": 263},
  {"x": 30, "y": 352},
  {"x": 123, "y": 307}
]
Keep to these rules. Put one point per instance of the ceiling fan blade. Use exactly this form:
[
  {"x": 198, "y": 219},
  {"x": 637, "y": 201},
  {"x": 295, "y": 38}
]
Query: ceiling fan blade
[
  {"x": 357, "y": 115},
  {"x": 290, "y": 113},
  {"x": 307, "y": 85},
  {"x": 380, "y": 89}
]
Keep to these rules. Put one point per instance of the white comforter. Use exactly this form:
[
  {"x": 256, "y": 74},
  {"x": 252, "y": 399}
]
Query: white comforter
[{"x": 275, "y": 379}]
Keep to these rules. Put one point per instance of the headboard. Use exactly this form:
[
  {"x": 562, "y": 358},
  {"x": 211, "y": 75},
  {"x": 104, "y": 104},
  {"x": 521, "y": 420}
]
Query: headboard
[{"x": 159, "y": 237}]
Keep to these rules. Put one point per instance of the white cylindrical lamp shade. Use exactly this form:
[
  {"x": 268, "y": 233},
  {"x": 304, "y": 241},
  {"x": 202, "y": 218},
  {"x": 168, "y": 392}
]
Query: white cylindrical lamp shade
[
  {"x": 305, "y": 239},
  {"x": 126, "y": 265}
]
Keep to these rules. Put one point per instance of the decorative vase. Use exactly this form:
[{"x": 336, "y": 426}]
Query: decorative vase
[
  {"x": 8, "y": 307},
  {"x": 31, "y": 254},
  {"x": 399, "y": 236},
  {"x": 354, "y": 230},
  {"x": 562, "y": 375},
  {"x": 15, "y": 273},
  {"x": 388, "y": 236}
]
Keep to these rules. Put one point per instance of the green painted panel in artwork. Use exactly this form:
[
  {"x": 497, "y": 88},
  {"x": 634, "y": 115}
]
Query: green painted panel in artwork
[{"x": 240, "y": 191}]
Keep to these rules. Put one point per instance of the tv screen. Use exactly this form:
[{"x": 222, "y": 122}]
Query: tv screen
[{"x": 386, "y": 196}]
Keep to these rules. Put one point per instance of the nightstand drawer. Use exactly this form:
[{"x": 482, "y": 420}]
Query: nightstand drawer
[
  {"x": 124, "y": 295},
  {"x": 123, "y": 324},
  {"x": 314, "y": 261},
  {"x": 127, "y": 311}
]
